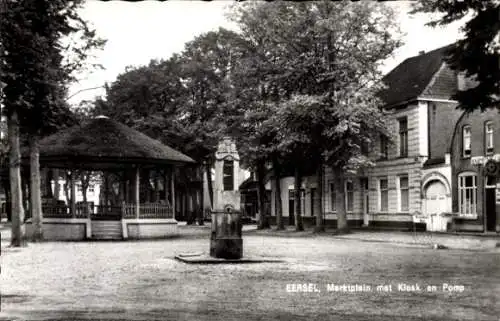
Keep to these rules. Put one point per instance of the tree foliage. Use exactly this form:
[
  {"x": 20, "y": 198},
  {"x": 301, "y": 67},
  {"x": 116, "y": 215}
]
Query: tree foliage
[
  {"x": 319, "y": 60},
  {"x": 316, "y": 69},
  {"x": 478, "y": 53},
  {"x": 296, "y": 86},
  {"x": 38, "y": 62},
  {"x": 180, "y": 100}
]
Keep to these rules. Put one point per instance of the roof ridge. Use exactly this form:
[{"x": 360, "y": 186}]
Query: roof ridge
[
  {"x": 429, "y": 52},
  {"x": 411, "y": 77}
]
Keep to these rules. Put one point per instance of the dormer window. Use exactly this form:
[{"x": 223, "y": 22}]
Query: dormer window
[
  {"x": 466, "y": 141},
  {"x": 488, "y": 138}
]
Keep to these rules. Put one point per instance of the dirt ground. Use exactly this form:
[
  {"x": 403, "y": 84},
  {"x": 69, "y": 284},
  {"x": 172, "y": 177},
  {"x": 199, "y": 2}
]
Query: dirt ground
[{"x": 140, "y": 280}]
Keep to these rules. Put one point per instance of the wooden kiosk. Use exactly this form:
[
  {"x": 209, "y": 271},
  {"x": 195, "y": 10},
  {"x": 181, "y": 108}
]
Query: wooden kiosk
[{"x": 138, "y": 178}]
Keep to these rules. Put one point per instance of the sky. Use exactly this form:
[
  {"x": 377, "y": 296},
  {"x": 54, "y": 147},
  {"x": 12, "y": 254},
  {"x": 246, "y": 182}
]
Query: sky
[{"x": 137, "y": 32}]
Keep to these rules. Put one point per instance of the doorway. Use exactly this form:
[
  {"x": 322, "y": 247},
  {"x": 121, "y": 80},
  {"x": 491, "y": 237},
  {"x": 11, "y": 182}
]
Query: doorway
[
  {"x": 435, "y": 198},
  {"x": 490, "y": 210},
  {"x": 490, "y": 203}
]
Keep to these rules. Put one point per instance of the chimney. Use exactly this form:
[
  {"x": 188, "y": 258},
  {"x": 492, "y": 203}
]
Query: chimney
[{"x": 421, "y": 52}]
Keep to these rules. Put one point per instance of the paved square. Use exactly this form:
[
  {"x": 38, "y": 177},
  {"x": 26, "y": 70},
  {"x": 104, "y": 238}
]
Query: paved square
[{"x": 141, "y": 281}]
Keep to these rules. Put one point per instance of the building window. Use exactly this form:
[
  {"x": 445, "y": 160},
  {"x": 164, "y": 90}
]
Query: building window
[
  {"x": 349, "y": 196},
  {"x": 488, "y": 135},
  {"x": 333, "y": 198},
  {"x": 466, "y": 142},
  {"x": 403, "y": 137},
  {"x": 404, "y": 194},
  {"x": 91, "y": 188},
  {"x": 228, "y": 172},
  {"x": 383, "y": 195},
  {"x": 384, "y": 150},
  {"x": 467, "y": 194}
]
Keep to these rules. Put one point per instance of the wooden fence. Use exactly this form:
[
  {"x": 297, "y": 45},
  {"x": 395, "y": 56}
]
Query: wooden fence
[
  {"x": 146, "y": 211},
  {"x": 83, "y": 210},
  {"x": 56, "y": 210}
]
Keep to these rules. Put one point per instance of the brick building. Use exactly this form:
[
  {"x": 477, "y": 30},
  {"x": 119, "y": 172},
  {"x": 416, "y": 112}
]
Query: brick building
[
  {"x": 413, "y": 176},
  {"x": 475, "y": 189}
]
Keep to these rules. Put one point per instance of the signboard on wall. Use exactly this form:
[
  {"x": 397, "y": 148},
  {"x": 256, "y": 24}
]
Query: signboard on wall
[
  {"x": 477, "y": 160},
  {"x": 481, "y": 160}
]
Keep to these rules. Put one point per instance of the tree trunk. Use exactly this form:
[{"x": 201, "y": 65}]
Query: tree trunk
[
  {"x": 18, "y": 229},
  {"x": 320, "y": 223},
  {"x": 278, "y": 206},
  {"x": 184, "y": 200},
  {"x": 73, "y": 194},
  {"x": 210, "y": 183},
  {"x": 106, "y": 189},
  {"x": 299, "y": 226},
  {"x": 199, "y": 198},
  {"x": 8, "y": 202},
  {"x": 173, "y": 202},
  {"x": 188, "y": 204},
  {"x": 25, "y": 181},
  {"x": 261, "y": 196},
  {"x": 120, "y": 197},
  {"x": 84, "y": 180},
  {"x": 57, "y": 189},
  {"x": 342, "y": 226},
  {"x": 205, "y": 197},
  {"x": 67, "y": 188},
  {"x": 35, "y": 197},
  {"x": 84, "y": 194},
  {"x": 48, "y": 183},
  {"x": 157, "y": 187}
]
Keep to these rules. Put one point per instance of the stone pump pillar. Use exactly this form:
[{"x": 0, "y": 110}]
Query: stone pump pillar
[{"x": 225, "y": 238}]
